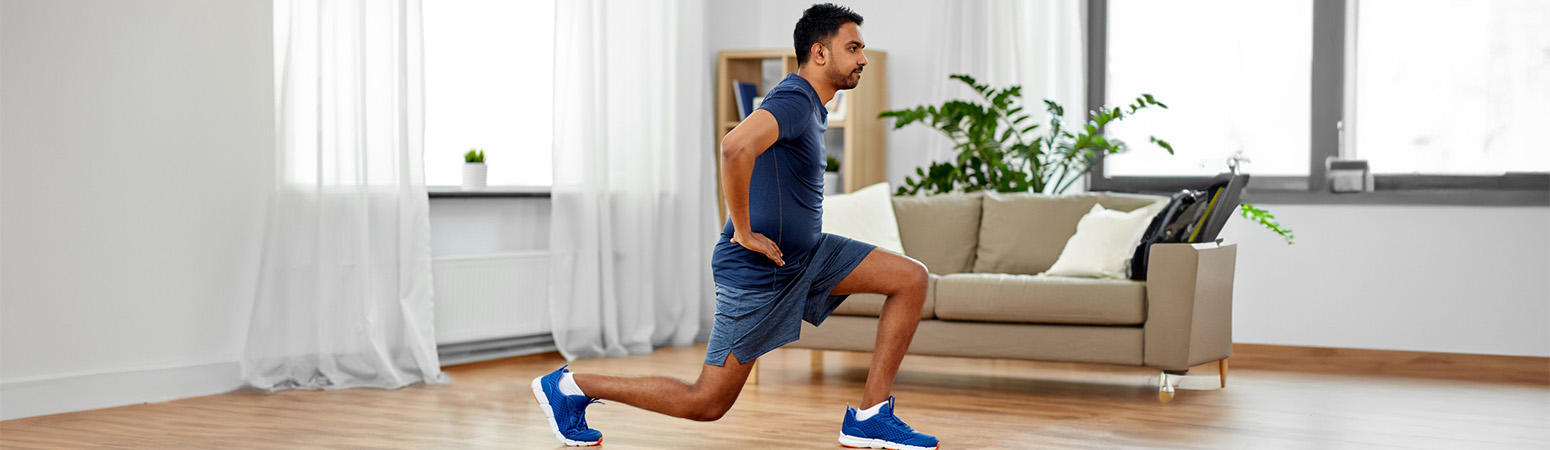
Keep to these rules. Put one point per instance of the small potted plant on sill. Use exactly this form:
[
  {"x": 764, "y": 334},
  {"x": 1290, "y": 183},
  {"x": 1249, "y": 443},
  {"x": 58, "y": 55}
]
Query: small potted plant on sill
[
  {"x": 831, "y": 178},
  {"x": 474, "y": 170}
]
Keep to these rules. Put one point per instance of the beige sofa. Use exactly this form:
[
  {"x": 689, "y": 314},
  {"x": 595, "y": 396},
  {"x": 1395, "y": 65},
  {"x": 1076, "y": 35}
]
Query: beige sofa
[{"x": 984, "y": 300}]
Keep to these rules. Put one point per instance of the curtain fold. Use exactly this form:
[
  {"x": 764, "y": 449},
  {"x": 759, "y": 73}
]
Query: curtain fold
[
  {"x": 633, "y": 220},
  {"x": 1037, "y": 44},
  {"x": 1040, "y": 45},
  {"x": 344, "y": 292},
  {"x": 960, "y": 48}
]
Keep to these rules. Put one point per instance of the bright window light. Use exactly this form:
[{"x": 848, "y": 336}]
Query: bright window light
[
  {"x": 1453, "y": 87},
  {"x": 1234, "y": 74},
  {"x": 489, "y": 85}
]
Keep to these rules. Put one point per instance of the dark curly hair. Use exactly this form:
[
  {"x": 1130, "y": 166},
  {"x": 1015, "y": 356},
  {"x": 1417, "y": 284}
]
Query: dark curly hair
[{"x": 818, "y": 24}]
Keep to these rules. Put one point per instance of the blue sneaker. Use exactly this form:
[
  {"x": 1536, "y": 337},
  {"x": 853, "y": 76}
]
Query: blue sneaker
[
  {"x": 882, "y": 430},
  {"x": 567, "y": 413}
]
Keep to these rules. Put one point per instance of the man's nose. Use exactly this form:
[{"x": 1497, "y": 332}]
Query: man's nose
[{"x": 863, "y": 59}]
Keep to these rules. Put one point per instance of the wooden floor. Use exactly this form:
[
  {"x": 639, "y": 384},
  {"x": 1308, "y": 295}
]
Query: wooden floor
[{"x": 1276, "y": 397}]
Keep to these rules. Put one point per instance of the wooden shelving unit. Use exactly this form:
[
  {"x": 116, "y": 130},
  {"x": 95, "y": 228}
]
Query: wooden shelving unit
[{"x": 864, "y": 156}]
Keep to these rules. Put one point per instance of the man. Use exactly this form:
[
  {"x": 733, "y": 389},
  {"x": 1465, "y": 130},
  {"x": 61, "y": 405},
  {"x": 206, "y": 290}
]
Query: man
[{"x": 773, "y": 266}]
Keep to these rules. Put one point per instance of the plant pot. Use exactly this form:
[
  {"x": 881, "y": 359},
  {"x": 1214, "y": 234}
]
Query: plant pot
[
  {"x": 831, "y": 183},
  {"x": 474, "y": 176}
]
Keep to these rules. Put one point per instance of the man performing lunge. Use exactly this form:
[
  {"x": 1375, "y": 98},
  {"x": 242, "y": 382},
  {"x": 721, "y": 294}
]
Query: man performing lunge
[{"x": 772, "y": 168}]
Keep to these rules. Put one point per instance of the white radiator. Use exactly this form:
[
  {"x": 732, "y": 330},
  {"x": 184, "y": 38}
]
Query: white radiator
[{"x": 491, "y": 296}]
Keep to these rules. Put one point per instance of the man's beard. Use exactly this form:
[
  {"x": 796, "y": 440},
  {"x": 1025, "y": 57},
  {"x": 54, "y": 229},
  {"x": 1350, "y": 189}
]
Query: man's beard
[{"x": 843, "y": 80}]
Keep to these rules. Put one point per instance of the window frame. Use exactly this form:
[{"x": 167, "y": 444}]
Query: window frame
[{"x": 1327, "y": 108}]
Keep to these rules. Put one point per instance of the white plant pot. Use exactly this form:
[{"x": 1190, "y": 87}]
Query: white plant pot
[
  {"x": 831, "y": 183},
  {"x": 474, "y": 176}
]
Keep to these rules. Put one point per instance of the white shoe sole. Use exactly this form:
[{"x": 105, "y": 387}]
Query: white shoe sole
[
  {"x": 855, "y": 442},
  {"x": 543, "y": 403}
]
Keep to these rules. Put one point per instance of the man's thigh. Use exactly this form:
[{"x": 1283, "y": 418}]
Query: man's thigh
[{"x": 882, "y": 272}]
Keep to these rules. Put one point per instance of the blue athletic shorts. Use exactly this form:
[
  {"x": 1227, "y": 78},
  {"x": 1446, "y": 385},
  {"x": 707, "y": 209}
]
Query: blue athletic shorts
[{"x": 751, "y": 322}]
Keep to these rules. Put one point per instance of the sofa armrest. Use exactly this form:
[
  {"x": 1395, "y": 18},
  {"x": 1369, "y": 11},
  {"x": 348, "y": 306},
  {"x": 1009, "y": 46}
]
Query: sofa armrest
[{"x": 1189, "y": 304}]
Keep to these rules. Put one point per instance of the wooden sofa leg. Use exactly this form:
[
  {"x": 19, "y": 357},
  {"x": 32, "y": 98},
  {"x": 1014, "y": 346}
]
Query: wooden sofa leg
[
  {"x": 817, "y": 365},
  {"x": 1222, "y": 367}
]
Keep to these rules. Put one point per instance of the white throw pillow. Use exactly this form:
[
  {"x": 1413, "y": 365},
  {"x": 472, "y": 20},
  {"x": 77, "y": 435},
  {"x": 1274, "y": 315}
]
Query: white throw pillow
[
  {"x": 1104, "y": 242},
  {"x": 865, "y": 215}
]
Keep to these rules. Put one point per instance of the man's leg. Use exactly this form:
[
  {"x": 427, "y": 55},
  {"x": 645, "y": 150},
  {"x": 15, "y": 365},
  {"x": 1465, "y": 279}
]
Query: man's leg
[
  {"x": 903, "y": 280},
  {"x": 707, "y": 399}
]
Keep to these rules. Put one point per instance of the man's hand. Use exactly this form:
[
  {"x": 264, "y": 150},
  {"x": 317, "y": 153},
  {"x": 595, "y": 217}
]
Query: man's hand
[{"x": 757, "y": 242}]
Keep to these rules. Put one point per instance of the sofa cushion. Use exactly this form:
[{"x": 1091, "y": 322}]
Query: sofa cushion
[
  {"x": 1104, "y": 243},
  {"x": 1024, "y": 233},
  {"x": 940, "y": 231},
  {"x": 872, "y": 304},
  {"x": 865, "y": 215},
  {"x": 1040, "y": 299}
]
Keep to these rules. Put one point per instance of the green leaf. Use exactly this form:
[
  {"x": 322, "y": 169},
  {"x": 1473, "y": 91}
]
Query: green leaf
[
  {"x": 1162, "y": 143},
  {"x": 1267, "y": 220}
]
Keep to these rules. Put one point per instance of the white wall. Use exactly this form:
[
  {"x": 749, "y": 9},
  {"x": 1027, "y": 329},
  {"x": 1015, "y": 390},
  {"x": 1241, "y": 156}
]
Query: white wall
[
  {"x": 1443, "y": 279},
  {"x": 475, "y": 226},
  {"x": 1425, "y": 278},
  {"x": 135, "y": 162}
]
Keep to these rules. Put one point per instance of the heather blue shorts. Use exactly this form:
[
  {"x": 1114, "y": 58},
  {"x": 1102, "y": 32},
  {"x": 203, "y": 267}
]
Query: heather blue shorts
[{"x": 751, "y": 322}]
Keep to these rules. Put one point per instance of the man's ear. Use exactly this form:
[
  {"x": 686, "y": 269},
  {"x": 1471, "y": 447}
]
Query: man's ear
[{"x": 817, "y": 53}]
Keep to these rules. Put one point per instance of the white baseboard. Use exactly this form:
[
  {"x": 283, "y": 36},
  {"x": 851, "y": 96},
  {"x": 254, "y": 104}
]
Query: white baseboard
[{"x": 53, "y": 395}]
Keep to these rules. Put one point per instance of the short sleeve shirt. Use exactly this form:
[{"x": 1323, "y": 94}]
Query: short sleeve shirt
[{"x": 785, "y": 195}]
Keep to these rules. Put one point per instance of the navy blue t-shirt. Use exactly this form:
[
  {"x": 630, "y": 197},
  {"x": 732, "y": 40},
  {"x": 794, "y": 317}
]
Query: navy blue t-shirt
[{"x": 785, "y": 195}]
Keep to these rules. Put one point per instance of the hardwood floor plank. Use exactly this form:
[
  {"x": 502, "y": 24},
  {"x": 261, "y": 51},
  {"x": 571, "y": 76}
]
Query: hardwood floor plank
[{"x": 1280, "y": 397}]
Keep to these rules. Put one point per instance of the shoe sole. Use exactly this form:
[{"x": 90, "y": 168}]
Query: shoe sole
[
  {"x": 543, "y": 403},
  {"x": 856, "y": 442}
]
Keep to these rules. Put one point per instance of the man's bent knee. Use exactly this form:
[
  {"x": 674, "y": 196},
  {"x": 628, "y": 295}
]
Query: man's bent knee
[
  {"x": 710, "y": 409},
  {"x": 918, "y": 276},
  {"x": 709, "y": 405}
]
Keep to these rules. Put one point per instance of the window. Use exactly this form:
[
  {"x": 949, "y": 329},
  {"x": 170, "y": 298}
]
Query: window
[
  {"x": 1450, "y": 87},
  {"x": 488, "y": 84},
  {"x": 1441, "y": 97},
  {"x": 1234, "y": 74}
]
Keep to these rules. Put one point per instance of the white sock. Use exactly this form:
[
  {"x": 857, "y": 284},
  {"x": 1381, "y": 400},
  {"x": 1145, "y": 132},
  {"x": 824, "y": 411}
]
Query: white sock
[
  {"x": 568, "y": 385},
  {"x": 864, "y": 414}
]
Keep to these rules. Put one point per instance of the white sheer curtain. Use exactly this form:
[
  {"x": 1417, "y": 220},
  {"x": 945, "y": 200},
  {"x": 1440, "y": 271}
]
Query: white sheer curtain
[
  {"x": 959, "y": 48},
  {"x": 1037, "y": 44},
  {"x": 344, "y": 290},
  {"x": 634, "y": 218}
]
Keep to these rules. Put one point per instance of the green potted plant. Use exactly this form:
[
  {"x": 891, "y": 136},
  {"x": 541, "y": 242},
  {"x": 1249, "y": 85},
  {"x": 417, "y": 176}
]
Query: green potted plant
[
  {"x": 475, "y": 173},
  {"x": 998, "y": 149},
  {"x": 831, "y": 177}
]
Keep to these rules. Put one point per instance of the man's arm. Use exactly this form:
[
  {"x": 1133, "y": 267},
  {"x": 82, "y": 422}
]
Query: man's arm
[{"x": 738, "y": 150}]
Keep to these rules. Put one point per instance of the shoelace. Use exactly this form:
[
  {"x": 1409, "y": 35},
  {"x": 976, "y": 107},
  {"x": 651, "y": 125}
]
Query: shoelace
[
  {"x": 900, "y": 423},
  {"x": 579, "y": 420}
]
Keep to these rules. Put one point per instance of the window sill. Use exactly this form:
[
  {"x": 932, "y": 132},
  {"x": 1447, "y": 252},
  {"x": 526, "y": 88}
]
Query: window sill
[
  {"x": 489, "y": 192},
  {"x": 1437, "y": 197},
  {"x": 1517, "y": 189}
]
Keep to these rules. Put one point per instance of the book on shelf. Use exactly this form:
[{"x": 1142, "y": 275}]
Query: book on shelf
[{"x": 744, "y": 92}]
